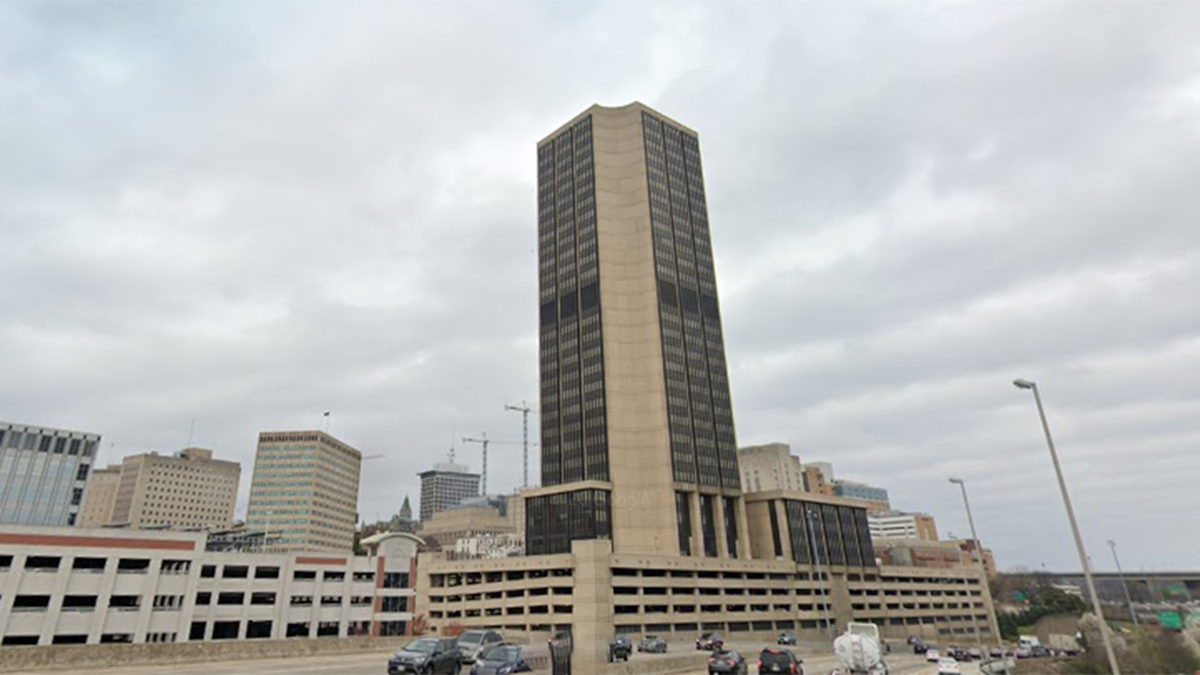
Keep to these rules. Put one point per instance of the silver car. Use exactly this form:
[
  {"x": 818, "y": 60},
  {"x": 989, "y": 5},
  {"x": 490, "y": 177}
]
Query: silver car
[{"x": 473, "y": 643}]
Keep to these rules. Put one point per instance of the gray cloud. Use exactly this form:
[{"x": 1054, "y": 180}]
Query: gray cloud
[{"x": 247, "y": 215}]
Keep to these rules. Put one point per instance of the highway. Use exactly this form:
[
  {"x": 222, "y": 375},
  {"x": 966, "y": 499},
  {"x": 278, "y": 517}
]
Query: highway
[{"x": 818, "y": 660}]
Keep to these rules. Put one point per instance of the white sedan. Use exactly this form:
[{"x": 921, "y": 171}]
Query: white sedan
[
  {"x": 948, "y": 666},
  {"x": 932, "y": 655}
]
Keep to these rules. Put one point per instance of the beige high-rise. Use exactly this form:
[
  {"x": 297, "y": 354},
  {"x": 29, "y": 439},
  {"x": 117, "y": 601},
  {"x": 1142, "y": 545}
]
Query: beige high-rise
[
  {"x": 304, "y": 493},
  {"x": 770, "y": 467},
  {"x": 98, "y": 500},
  {"x": 189, "y": 490},
  {"x": 638, "y": 441}
]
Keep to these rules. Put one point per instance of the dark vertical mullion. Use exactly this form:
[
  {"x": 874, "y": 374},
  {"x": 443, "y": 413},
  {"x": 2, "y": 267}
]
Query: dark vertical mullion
[
  {"x": 701, "y": 270},
  {"x": 683, "y": 461},
  {"x": 675, "y": 235}
]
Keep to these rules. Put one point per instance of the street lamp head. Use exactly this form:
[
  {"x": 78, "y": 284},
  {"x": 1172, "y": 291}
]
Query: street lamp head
[
  {"x": 956, "y": 481},
  {"x": 1023, "y": 384}
]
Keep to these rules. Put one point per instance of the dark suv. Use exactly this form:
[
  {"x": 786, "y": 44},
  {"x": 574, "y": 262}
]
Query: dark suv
[
  {"x": 425, "y": 656},
  {"x": 709, "y": 642},
  {"x": 772, "y": 660},
  {"x": 619, "y": 649}
]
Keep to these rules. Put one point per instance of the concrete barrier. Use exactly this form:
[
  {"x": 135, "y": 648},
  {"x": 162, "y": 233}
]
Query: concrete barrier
[
  {"x": 659, "y": 663},
  {"x": 149, "y": 654}
]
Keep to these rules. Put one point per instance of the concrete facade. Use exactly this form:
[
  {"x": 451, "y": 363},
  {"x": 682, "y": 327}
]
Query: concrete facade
[
  {"x": 96, "y": 586},
  {"x": 188, "y": 490},
  {"x": 447, "y": 527},
  {"x": 770, "y": 467},
  {"x": 99, "y": 497},
  {"x": 43, "y": 473},
  {"x": 304, "y": 492},
  {"x": 901, "y": 525},
  {"x": 815, "y": 480}
]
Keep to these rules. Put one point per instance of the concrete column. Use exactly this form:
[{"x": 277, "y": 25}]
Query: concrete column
[
  {"x": 150, "y": 590},
  {"x": 842, "y": 610},
  {"x": 697, "y": 525},
  {"x": 743, "y": 525},
  {"x": 719, "y": 517},
  {"x": 9, "y": 583},
  {"x": 592, "y": 619}
]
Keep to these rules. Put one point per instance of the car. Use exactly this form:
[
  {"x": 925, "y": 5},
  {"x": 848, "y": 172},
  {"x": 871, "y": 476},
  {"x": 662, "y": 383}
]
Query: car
[
  {"x": 932, "y": 655},
  {"x": 426, "y": 656},
  {"x": 619, "y": 649},
  {"x": 772, "y": 660},
  {"x": 995, "y": 652},
  {"x": 948, "y": 666},
  {"x": 653, "y": 644},
  {"x": 786, "y": 639},
  {"x": 726, "y": 662},
  {"x": 974, "y": 654},
  {"x": 918, "y": 645},
  {"x": 709, "y": 641},
  {"x": 1024, "y": 652},
  {"x": 501, "y": 660},
  {"x": 473, "y": 643}
]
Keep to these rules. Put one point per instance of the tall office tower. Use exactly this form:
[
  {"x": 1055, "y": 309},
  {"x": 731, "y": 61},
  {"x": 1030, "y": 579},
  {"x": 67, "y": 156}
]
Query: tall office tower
[
  {"x": 188, "y": 490},
  {"x": 43, "y": 473},
  {"x": 446, "y": 486},
  {"x": 304, "y": 492},
  {"x": 637, "y": 428}
]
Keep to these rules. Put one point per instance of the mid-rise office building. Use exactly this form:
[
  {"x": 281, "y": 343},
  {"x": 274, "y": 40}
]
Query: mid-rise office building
[
  {"x": 100, "y": 496},
  {"x": 901, "y": 525},
  {"x": 43, "y": 473},
  {"x": 446, "y": 486},
  {"x": 96, "y": 586},
  {"x": 770, "y": 467},
  {"x": 304, "y": 492},
  {"x": 187, "y": 490},
  {"x": 876, "y": 496}
]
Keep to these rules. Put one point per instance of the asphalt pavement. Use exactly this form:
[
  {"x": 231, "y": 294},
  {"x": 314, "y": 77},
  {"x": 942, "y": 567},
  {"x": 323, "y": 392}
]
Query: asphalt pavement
[{"x": 818, "y": 660}]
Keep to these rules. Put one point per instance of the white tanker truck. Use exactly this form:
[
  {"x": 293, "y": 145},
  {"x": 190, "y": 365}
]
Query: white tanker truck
[{"x": 860, "y": 651}]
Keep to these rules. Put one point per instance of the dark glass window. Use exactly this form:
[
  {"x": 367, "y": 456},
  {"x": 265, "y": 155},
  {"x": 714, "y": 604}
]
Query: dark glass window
[
  {"x": 731, "y": 532},
  {"x": 554, "y": 521},
  {"x": 589, "y": 296},
  {"x": 549, "y": 313},
  {"x": 683, "y": 519},
  {"x": 775, "y": 539},
  {"x": 708, "y": 526}
]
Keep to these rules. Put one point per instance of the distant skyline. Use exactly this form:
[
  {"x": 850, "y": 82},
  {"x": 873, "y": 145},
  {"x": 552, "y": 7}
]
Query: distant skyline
[{"x": 250, "y": 214}]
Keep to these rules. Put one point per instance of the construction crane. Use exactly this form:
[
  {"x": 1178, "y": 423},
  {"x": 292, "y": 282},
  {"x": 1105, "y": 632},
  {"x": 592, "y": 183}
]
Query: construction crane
[
  {"x": 484, "y": 441},
  {"x": 524, "y": 409}
]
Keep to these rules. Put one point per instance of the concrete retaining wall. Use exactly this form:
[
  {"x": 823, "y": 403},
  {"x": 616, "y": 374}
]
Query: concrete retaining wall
[{"x": 106, "y": 656}]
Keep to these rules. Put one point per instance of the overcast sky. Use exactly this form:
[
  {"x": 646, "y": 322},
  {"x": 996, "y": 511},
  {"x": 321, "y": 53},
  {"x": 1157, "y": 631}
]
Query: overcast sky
[{"x": 248, "y": 214}]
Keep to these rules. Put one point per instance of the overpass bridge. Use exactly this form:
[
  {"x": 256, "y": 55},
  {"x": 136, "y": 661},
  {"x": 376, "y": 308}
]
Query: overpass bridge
[{"x": 1144, "y": 587}]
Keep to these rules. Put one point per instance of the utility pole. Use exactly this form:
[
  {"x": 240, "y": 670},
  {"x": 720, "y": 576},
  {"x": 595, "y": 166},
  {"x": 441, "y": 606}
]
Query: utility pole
[{"x": 524, "y": 409}]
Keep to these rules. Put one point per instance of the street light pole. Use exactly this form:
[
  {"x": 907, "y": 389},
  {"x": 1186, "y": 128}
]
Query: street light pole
[
  {"x": 1083, "y": 558},
  {"x": 1121, "y": 575},
  {"x": 817, "y": 560},
  {"x": 982, "y": 578}
]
